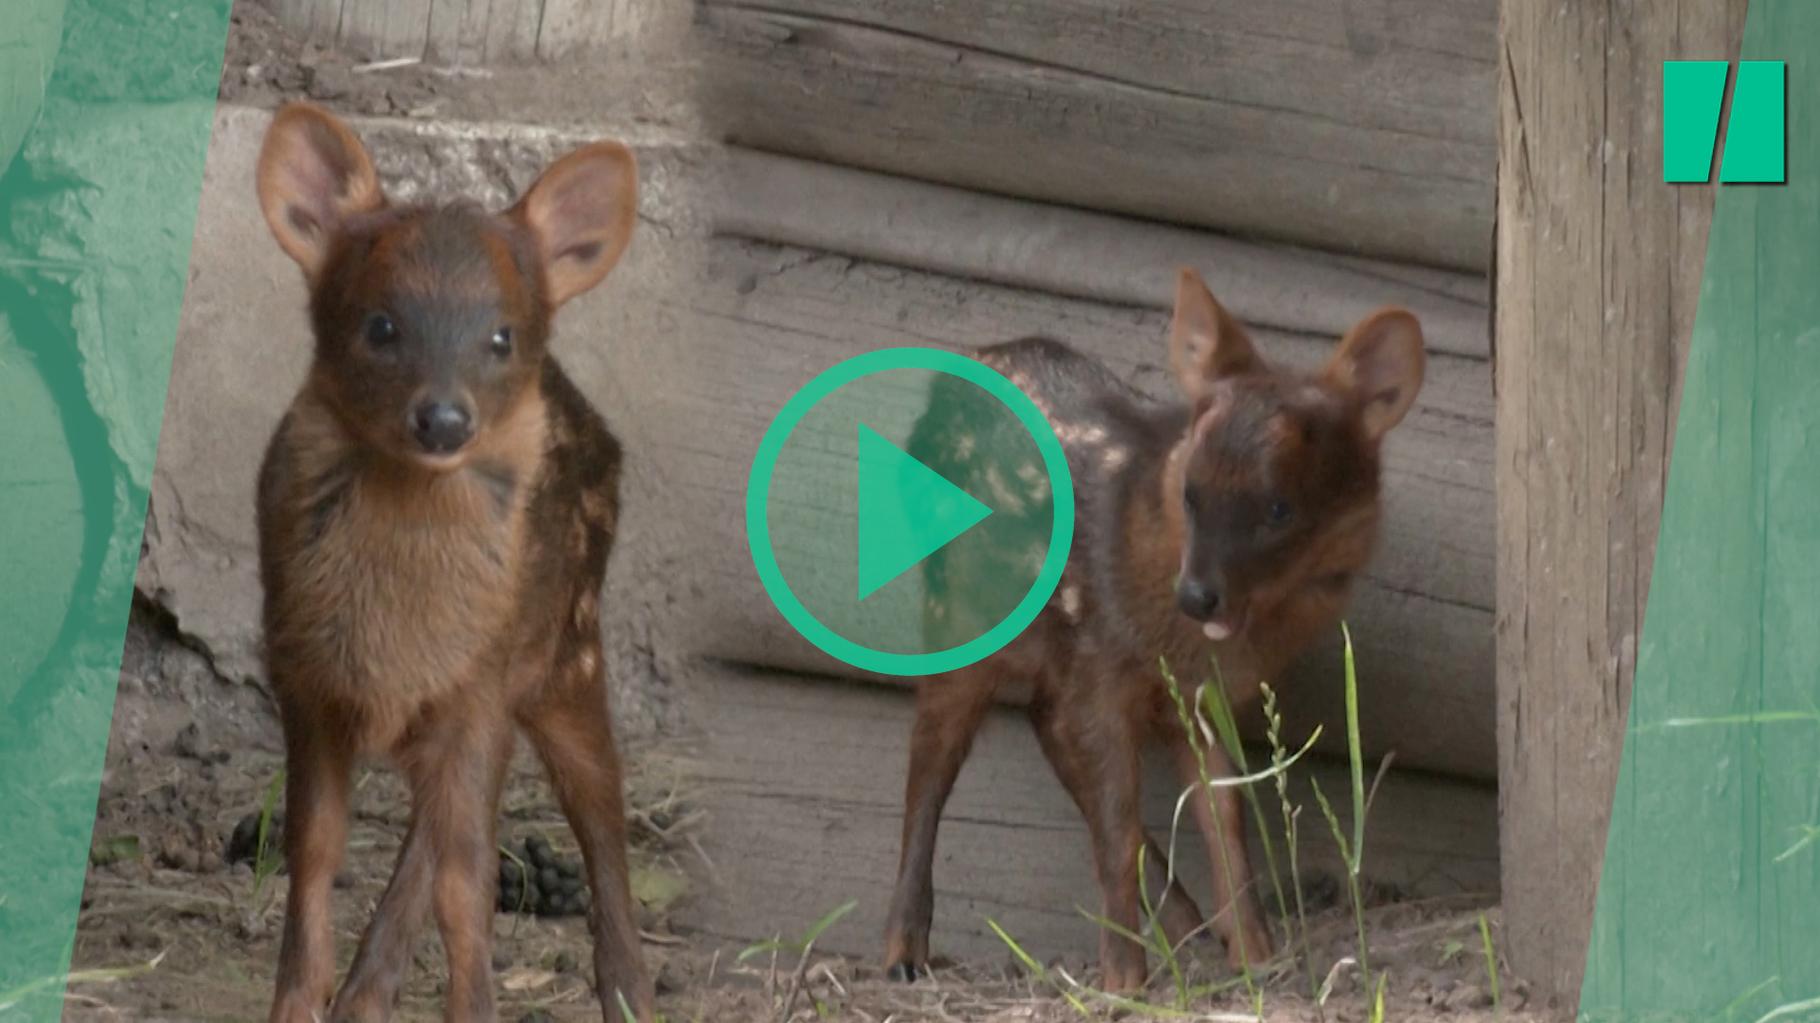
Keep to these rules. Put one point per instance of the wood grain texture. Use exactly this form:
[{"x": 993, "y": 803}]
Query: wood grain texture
[
  {"x": 1364, "y": 129},
  {"x": 768, "y": 318},
  {"x": 1079, "y": 253},
  {"x": 1598, "y": 272},
  {"x": 318, "y": 19},
  {"x": 803, "y": 782},
  {"x": 469, "y": 32},
  {"x": 396, "y": 28}
]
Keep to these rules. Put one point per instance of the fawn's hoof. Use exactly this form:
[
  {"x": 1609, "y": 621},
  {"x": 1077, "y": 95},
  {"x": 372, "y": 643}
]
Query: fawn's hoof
[{"x": 905, "y": 972}]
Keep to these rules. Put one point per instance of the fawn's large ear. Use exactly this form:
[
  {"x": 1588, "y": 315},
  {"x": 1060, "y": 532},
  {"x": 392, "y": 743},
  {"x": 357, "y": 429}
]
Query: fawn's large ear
[
  {"x": 1380, "y": 361},
  {"x": 313, "y": 175},
  {"x": 1205, "y": 343},
  {"x": 581, "y": 211}
]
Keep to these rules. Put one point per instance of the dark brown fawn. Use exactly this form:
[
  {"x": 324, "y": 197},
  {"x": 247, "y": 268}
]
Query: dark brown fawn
[
  {"x": 435, "y": 514},
  {"x": 1230, "y": 527}
]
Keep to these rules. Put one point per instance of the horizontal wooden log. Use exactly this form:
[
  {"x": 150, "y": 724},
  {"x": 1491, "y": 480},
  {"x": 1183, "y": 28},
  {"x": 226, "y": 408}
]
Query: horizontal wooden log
[
  {"x": 803, "y": 780},
  {"x": 1366, "y": 128},
  {"x": 1081, "y": 254},
  {"x": 766, "y": 319},
  {"x": 467, "y": 32}
]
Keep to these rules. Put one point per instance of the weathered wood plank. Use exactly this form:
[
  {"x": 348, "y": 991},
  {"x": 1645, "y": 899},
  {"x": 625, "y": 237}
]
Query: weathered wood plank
[
  {"x": 458, "y": 31},
  {"x": 318, "y": 19},
  {"x": 767, "y": 319},
  {"x": 803, "y": 781},
  {"x": 512, "y": 29},
  {"x": 571, "y": 25},
  {"x": 397, "y": 28},
  {"x": 1364, "y": 130},
  {"x": 1078, "y": 253},
  {"x": 1598, "y": 266},
  {"x": 467, "y": 32}
]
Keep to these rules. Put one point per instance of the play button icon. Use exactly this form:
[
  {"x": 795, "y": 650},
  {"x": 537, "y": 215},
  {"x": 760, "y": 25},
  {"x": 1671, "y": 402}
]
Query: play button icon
[{"x": 909, "y": 511}]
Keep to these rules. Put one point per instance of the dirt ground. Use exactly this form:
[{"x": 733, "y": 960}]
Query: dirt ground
[
  {"x": 171, "y": 930},
  {"x": 266, "y": 65}
]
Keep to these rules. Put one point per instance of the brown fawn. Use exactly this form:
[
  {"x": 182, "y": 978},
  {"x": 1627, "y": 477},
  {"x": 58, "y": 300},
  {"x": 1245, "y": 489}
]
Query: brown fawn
[
  {"x": 1226, "y": 527},
  {"x": 435, "y": 513}
]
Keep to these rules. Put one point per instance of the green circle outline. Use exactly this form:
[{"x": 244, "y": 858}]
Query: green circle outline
[{"x": 758, "y": 516}]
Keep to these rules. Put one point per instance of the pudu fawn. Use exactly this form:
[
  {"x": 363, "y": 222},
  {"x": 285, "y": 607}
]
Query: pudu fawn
[
  {"x": 1229, "y": 526},
  {"x": 435, "y": 513}
]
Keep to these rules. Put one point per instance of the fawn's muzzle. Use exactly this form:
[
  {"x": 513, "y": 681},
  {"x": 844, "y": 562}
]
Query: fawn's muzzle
[
  {"x": 441, "y": 427},
  {"x": 1197, "y": 599}
]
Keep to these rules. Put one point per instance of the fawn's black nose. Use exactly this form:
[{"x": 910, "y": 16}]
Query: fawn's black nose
[
  {"x": 1197, "y": 599},
  {"x": 441, "y": 427}
]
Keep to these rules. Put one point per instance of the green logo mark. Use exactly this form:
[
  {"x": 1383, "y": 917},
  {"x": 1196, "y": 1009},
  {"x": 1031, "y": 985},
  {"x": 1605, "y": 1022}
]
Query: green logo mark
[
  {"x": 907, "y": 511},
  {"x": 1693, "y": 97},
  {"x": 899, "y": 460}
]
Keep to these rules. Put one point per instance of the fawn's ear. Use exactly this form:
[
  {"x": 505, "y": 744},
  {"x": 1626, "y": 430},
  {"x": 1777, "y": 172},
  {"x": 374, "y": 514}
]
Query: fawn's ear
[
  {"x": 1205, "y": 343},
  {"x": 581, "y": 211},
  {"x": 1380, "y": 361},
  {"x": 313, "y": 175}
]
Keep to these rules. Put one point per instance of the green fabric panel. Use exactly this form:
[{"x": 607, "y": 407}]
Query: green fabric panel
[
  {"x": 105, "y": 111},
  {"x": 1709, "y": 901}
]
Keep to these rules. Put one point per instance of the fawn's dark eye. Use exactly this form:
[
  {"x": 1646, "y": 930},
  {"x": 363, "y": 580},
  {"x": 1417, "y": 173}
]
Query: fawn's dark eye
[
  {"x": 380, "y": 330},
  {"x": 501, "y": 342},
  {"x": 1280, "y": 513}
]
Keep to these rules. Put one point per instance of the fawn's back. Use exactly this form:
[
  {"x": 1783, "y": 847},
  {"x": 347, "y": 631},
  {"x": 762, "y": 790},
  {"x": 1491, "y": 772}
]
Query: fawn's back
[{"x": 1228, "y": 524}]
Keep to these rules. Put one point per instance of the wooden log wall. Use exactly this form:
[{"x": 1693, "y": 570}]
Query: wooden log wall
[
  {"x": 1597, "y": 279},
  {"x": 467, "y": 32},
  {"x": 1364, "y": 126},
  {"x": 816, "y": 264},
  {"x": 804, "y": 786}
]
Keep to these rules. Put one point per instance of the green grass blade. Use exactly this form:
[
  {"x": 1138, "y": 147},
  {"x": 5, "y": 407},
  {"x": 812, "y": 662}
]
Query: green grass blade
[
  {"x": 829, "y": 920},
  {"x": 1354, "y": 750},
  {"x": 1491, "y": 963},
  {"x": 265, "y": 866},
  {"x": 1036, "y": 969}
]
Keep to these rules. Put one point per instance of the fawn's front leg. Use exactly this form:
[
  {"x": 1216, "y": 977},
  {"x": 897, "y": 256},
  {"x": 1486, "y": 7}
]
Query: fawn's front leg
[
  {"x": 449, "y": 861},
  {"x": 1094, "y": 750},
  {"x": 949, "y": 709},
  {"x": 317, "y": 772},
  {"x": 572, "y": 730},
  {"x": 1237, "y": 916}
]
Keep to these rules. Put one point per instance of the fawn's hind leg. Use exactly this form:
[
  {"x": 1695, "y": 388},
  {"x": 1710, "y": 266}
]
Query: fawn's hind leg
[
  {"x": 449, "y": 861},
  {"x": 572, "y": 730},
  {"x": 317, "y": 769},
  {"x": 949, "y": 709}
]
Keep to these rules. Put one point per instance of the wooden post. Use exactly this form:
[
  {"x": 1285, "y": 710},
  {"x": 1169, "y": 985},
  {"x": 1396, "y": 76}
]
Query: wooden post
[
  {"x": 469, "y": 31},
  {"x": 1597, "y": 272}
]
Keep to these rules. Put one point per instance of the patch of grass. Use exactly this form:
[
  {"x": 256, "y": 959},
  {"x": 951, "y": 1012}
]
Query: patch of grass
[
  {"x": 804, "y": 946},
  {"x": 118, "y": 849},
  {"x": 11, "y": 998},
  {"x": 801, "y": 944},
  {"x": 1298, "y": 925},
  {"x": 1352, "y": 852},
  {"x": 1491, "y": 964},
  {"x": 1038, "y": 970},
  {"x": 266, "y": 864},
  {"x": 1212, "y": 728},
  {"x": 1377, "y": 1000},
  {"x": 1211, "y": 705}
]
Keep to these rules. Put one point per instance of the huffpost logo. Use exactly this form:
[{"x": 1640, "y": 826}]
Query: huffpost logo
[{"x": 1693, "y": 100}]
